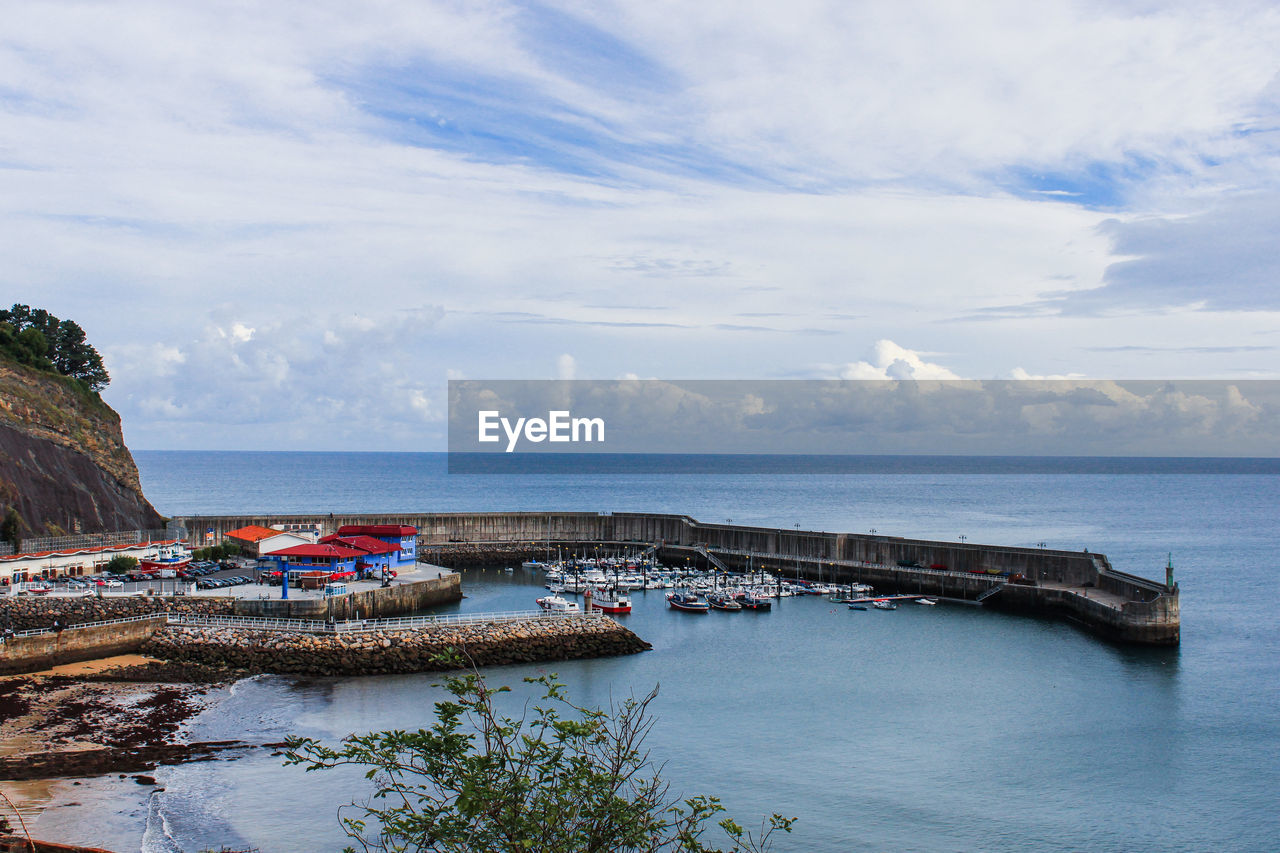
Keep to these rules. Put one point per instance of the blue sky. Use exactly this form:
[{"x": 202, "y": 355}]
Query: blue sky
[{"x": 288, "y": 224}]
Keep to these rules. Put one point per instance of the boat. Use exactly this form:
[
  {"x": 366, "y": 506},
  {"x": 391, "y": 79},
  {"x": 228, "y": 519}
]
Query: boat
[
  {"x": 532, "y": 565},
  {"x": 687, "y": 601},
  {"x": 857, "y": 607},
  {"x": 557, "y": 604},
  {"x": 928, "y": 601},
  {"x": 166, "y": 557},
  {"x": 884, "y": 604},
  {"x": 509, "y": 570},
  {"x": 610, "y": 601},
  {"x": 751, "y": 601},
  {"x": 722, "y": 601}
]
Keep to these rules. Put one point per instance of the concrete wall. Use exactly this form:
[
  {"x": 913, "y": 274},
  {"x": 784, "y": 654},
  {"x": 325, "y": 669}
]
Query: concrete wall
[
  {"x": 396, "y": 600},
  {"x": 534, "y": 528},
  {"x": 34, "y": 653}
]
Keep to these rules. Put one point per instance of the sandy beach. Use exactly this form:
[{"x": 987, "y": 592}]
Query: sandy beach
[{"x": 77, "y": 734}]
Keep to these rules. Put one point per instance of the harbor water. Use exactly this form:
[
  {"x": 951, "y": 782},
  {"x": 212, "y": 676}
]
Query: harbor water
[{"x": 923, "y": 729}]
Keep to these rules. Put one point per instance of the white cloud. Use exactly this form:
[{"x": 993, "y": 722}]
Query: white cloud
[
  {"x": 887, "y": 360},
  {"x": 566, "y": 367},
  {"x": 641, "y": 176}
]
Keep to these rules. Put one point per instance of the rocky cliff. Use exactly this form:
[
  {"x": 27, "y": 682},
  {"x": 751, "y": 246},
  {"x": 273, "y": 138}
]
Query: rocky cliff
[{"x": 63, "y": 463}]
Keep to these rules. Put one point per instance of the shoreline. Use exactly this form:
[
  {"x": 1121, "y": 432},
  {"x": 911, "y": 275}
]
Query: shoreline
[{"x": 82, "y": 740}]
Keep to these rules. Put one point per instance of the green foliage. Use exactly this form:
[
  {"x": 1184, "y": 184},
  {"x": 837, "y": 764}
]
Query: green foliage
[
  {"x": 216, "y": 552},
  {"x": 564, "y": 779},
  {"x": 121, "y": 564},
  {"x": 11, "y": 529},
  {"x": 38, "y": 339}
]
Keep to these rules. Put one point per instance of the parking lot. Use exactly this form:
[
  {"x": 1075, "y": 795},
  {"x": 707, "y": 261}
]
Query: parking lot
[{"x": 237, "y": 579}]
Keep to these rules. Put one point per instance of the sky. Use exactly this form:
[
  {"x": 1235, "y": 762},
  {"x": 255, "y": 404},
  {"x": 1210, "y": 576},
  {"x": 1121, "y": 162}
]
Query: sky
[{"x": 288, "y": 225}]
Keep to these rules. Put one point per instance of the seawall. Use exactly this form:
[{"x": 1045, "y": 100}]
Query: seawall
[
  {"x": 394, "y": 600},
  {"x": 396, "y": 651},
  {"x": 40, "y": 651},
  {"x": 1079, "y": 585}
]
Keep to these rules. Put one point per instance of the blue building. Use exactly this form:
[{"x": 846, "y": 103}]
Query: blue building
[
  {"x": 379, "y": 555},
  {"x": 403, "y": 535},
  {"x": 321, "y": 557}
]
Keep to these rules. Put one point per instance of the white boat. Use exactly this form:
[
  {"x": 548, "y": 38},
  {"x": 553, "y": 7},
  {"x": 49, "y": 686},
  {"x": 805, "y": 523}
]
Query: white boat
[
  {"x": 509, "y": 570},
  {"x": 556, "y": 604},
  {"x": 883, "y": 604},
  {"x": 928, "y": 601}
]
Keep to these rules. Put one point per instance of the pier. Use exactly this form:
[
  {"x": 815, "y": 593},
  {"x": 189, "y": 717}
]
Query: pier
[{"x": 1076, "y": 585}]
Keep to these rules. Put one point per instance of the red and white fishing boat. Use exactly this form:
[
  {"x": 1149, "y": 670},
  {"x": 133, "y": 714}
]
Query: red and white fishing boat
[
  {"x": 610, "y": 601},
  {"x": 172, "y": 557}
]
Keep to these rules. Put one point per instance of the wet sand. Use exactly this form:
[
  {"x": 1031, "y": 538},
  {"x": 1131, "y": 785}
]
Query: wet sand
[{"x": 77, "y": 727}]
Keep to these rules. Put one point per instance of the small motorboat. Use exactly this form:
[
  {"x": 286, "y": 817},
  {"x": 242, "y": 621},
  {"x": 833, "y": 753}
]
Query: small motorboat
[
  {"x": 884, "y": 604},
  {"x": 929, "y": 601},
  {"x": 751, "y": 601},
  {"x": 509, "y": 570},
  {"x": 688, "y": 601},
  {"x": 857, "y": 607},
  {"x": 557, "y": 604}
]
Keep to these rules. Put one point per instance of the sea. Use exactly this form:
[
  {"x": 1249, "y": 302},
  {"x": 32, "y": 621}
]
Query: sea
[{"x": 945, "y": 728}]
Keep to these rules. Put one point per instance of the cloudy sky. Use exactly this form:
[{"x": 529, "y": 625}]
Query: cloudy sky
[{"x": 286, "y": 225}]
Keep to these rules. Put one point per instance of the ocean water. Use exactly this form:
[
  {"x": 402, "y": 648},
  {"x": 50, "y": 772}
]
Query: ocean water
[{"x": 924, "y": 729}]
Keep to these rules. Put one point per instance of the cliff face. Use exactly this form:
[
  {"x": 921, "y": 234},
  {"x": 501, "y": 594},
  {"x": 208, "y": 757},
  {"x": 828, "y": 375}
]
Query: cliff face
[{"x": 63, "y": 463}]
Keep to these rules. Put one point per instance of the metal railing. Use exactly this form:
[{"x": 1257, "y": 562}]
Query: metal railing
[
  {"x": 356, "y": 626},
  {"x": 35, "y": 632}
]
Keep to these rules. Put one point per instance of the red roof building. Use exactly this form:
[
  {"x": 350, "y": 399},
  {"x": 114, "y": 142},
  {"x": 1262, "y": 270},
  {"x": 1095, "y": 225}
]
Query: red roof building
[
  {"x": 363, "y": 543},
  {"x": 379, "y": 530},
  {"x": 252, "y": 533},
  {"x": 396, "y": 534}
]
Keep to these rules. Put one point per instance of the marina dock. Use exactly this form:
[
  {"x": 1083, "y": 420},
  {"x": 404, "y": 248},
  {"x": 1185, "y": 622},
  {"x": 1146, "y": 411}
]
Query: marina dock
[{"x": 1077, "y": 585}]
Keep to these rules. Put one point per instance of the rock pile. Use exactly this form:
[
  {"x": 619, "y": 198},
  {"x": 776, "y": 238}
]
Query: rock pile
[
  {"x": 22, "y": 614},
  {"x": 400, "y": 651}
]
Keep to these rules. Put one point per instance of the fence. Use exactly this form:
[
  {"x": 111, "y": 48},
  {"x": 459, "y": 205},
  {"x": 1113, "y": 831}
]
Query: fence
[
  {"x": 34, "y": 632},
  {"x": 313, "y": 626},
  {"x": 36, "y": 544}
]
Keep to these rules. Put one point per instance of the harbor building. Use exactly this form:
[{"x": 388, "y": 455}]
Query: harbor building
[
  {"x": 256, "y": 540},
  {"x": 337, "y": 560},
  {"x": 402, "y": 535},
  {"x": 379, "y": 557}
]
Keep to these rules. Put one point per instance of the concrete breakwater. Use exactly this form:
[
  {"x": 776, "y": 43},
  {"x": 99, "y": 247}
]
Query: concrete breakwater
[
  {"x": 1078, "y": 585},
  {"x": 395, "y": 651},
  {"x": 35, "y": 652}
]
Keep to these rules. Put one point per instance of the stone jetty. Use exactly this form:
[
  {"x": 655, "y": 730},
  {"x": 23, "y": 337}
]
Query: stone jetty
[
  {"x": 26, "y": 614},
  {"x": 394, "y": 651}
]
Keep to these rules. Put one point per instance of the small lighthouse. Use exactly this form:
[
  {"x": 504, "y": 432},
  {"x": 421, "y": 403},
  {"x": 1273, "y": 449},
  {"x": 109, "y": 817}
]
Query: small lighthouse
[{"x": 1168, "y": 572}]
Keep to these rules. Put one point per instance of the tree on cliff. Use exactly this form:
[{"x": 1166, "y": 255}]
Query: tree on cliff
[
  {"x": 566, "y": 779},
  {"x": 11, "y": 529},
  {"x": 34, "y": 337}
]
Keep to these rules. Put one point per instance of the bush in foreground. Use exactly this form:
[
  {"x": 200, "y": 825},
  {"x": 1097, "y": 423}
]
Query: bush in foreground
[{"x": 564, "y": 778}]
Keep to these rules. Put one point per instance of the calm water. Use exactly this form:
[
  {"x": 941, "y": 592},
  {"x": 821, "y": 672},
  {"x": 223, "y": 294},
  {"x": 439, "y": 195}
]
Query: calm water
[{"x": 929, "y": 729}]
